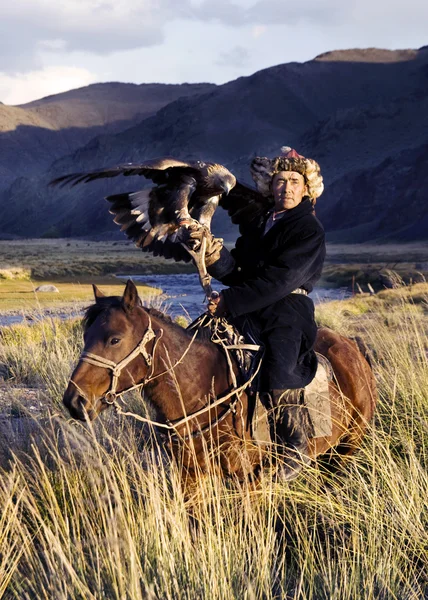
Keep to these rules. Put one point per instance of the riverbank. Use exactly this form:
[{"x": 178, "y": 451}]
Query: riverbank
[
  {"x": 71, "y": 259},
  {"x": 362, "y": 313},
  {"x": 18, "y": 297},
  {"x": 73, "y": 265}
]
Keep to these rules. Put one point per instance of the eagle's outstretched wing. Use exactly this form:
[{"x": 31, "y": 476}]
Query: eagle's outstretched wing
[
  {"x": 182, "y": 192},
  {"x": 147, "y": 219},
  {"x": 143, "y": 217},
  {"x": 245, "y": 204},
  {"x": 156, "y": 169}
]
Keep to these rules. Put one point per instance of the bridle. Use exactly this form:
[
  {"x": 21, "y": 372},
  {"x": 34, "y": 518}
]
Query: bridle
[
  {"x": 111, "y": 395},
  {"x": 116, "y": 368}
]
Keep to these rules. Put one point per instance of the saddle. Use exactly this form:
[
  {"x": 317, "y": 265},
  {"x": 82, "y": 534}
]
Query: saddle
[{"x": 247, "y": 353}]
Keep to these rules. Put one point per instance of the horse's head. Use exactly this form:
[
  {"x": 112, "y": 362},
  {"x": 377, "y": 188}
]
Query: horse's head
[{"x": 118, "y": 353}]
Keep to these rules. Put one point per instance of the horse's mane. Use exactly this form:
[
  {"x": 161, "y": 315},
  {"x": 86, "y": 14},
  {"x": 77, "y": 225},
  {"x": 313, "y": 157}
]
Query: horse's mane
[
  {"x": 158, "y": 314},
  {"x": 101, "y": 305},
  {"x": 106, "y": 302}
]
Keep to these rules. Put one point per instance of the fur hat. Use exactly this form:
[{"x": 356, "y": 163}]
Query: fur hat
[{"x": 263, "y": 169}]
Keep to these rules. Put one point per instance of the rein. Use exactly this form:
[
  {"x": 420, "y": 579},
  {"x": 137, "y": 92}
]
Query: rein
[{"x": 172, "y": 427}]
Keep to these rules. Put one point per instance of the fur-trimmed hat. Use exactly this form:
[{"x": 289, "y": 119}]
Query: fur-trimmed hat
[{"x": 263, "y": 169}]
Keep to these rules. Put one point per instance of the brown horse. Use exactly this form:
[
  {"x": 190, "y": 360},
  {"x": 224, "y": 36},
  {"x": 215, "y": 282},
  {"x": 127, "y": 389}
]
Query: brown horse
[{"x": 128, "y": 346}]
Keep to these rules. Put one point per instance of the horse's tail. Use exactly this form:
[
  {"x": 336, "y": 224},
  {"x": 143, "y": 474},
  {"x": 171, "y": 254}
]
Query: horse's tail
[{"x": 364, "y": 349}]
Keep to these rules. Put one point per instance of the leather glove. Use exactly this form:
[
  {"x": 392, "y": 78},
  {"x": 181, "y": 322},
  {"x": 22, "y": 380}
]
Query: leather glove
[
  {"x": 212, "y": 253},
  {"x": 192, "y": 236}
]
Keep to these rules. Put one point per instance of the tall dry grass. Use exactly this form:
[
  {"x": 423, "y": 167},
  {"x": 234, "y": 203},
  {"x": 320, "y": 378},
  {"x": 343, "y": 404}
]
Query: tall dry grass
[
  {"x": 105, "y": 517},
  {"x": 41, "y": 355}
]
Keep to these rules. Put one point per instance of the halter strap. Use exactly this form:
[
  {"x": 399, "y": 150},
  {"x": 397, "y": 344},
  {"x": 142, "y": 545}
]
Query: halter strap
[{"x": 117, "y": 368}]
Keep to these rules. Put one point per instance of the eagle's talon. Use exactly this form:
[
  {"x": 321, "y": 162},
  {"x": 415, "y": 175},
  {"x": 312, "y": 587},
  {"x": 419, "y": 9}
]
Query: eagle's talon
[
  {"x": 194, "y": 245},
  {"x": 189, "y": 223}
]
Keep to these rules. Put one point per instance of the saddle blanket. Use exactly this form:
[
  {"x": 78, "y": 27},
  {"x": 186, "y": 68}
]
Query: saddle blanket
[{"x": 317, "y": 401}]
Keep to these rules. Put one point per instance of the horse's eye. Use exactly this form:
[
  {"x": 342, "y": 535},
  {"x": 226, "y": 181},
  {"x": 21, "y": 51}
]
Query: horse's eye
[{"x": 114, "y": 341}]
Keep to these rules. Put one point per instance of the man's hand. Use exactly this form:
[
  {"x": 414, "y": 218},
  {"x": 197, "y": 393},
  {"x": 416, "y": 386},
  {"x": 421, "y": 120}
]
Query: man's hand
[{"x": 217, "y": 306}]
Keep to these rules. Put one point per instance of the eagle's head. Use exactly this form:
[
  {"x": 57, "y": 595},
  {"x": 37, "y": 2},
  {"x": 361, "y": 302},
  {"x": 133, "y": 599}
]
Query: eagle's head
[{"x": 220, "y": 179}]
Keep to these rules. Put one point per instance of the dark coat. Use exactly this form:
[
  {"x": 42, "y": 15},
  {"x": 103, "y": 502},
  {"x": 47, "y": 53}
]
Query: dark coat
[{"x": 268, "y": 268}]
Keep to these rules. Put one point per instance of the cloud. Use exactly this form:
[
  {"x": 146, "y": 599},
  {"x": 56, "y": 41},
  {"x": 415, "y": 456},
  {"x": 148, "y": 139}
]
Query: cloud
[
  {"x": 34, "y": 31},
  {"x": 258, "y": 31},
  {"x": 275, "y": 12},
  {"x": 28, "y": 27},
  {"x": 17, "y": 89},
  {"x": 236, "y": 57},
  {"x": 53, "y": 45},
  {"x": 31, "y": 29},
  {"x": 226, "y": 12},
  {"x": 353, "y": 16},
  {"x": 268, "y": 12}
]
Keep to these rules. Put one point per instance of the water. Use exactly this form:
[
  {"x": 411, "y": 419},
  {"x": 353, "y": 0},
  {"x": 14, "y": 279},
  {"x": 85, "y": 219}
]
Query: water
[
  {"x": 13, "y": 319},
  {"x": 183, "y": 295}
]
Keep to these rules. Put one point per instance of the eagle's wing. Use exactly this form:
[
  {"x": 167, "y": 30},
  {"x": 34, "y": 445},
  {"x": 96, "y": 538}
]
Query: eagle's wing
[
  {"x": 156, "y": 170},
  {"x": 145, "y": 218},
  {"x": 149, "y": 217},
  {"x": 152, "y": 217},
  {"x": 245, "y": 204}
]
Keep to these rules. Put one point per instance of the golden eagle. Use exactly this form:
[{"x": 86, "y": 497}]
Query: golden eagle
[{"x": 183, "y": 193}]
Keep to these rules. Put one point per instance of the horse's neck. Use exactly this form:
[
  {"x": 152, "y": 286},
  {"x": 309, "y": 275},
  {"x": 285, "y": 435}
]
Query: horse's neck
[{"x": 187, "y": 372}]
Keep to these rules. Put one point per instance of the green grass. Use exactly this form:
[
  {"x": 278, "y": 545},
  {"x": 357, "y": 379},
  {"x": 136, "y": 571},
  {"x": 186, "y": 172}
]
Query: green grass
[
  {"x": 96, "y": 514},
  {"x": 72, "y": 266},
  {"x": 20, "y": 296}
]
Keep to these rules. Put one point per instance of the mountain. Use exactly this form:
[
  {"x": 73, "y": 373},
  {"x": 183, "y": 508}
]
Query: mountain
[
  {"x": 33, "y": 135},
  {"x": 361, "y": 113}
]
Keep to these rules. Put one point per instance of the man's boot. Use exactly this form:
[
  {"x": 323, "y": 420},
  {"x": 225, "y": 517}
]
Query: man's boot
[{"x": 291, "y": 429}]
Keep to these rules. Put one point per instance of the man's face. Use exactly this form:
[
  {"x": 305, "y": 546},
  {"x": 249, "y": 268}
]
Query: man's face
[{"x": 288, "y": 188}]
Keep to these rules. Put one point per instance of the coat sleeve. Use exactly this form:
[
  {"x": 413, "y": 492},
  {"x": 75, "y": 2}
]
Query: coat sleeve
[
  {"x": 227, "y": 268},
  {"x": 296, "y": 262}
]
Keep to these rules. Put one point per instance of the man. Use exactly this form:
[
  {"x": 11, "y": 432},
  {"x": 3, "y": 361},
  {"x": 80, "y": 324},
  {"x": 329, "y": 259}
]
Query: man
[{"x": 273, "y": 267}]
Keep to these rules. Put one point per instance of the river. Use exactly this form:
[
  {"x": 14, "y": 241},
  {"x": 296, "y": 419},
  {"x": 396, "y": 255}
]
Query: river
[
  {"x": 182, "y": 296},
  {"x": 182, "y": 293}
]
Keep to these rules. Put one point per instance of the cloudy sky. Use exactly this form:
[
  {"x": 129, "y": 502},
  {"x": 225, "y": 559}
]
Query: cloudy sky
[{"x": 49, "y": 46}]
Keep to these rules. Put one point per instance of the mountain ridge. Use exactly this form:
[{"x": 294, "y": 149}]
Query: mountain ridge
[
  {"x": 34, "y": 135},
  {"x": 350, "y": 115}
]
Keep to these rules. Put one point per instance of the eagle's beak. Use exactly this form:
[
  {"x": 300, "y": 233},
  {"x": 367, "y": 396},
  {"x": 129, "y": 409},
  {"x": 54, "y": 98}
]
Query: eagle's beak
[{"x": 227, "y": 187}]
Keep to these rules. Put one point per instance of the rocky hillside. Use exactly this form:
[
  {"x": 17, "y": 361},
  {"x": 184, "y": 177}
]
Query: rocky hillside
[
  {"x": 34, "y": 135},
  {"x": 360, "y": 113}
]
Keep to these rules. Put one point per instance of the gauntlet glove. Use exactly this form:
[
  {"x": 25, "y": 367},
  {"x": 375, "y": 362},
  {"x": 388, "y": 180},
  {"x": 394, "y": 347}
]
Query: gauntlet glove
[{"x": 193, "y": 235}]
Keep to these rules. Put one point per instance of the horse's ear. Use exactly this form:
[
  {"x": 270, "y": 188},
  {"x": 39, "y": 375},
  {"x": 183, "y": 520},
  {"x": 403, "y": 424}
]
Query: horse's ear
[
  {"x": 130, "y": 296},
  {"x": 97, "y": 292}
]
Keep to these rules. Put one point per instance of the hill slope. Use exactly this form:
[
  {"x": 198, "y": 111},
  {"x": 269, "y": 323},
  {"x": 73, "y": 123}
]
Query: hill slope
[
  {"x": 33, "y": 135},
  {"x": 360, "y": 113}
]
